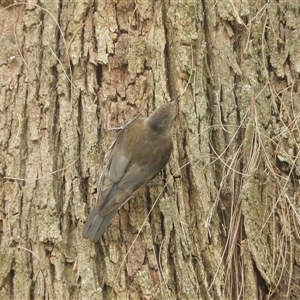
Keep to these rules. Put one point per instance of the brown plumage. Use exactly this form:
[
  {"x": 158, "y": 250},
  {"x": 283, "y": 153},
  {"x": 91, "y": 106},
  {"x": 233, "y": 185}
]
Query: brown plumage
[{"x": 140, "y": 152}]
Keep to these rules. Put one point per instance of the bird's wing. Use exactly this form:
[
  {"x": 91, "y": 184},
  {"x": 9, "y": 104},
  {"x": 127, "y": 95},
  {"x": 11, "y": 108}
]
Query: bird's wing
[
  {"x": 136, "y": 176},
  {"x": 117, "y": 162},
  {"x": 112, "y": 173}
]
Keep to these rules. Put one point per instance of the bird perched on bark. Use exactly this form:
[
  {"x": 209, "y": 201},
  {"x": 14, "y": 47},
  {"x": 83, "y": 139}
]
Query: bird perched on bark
[{"x": 140, "y": 152}]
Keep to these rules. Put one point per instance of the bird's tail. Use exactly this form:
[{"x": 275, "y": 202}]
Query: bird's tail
[{"x": 96, "y": 224}]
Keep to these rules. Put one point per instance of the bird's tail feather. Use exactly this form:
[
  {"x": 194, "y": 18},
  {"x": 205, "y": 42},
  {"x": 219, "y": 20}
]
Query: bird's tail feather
[{"x": 96, "y": 224}]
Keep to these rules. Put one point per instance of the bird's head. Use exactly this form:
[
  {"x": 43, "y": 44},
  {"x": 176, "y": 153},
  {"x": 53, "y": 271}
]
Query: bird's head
[{"x": 162, "y": 118}]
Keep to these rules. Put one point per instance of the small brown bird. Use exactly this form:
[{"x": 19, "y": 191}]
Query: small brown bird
[{"x": 140, "y": 152}]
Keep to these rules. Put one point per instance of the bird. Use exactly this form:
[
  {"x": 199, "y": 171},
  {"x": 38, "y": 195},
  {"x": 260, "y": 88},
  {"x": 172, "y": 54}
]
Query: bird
[{"x": 140, "y": 151}]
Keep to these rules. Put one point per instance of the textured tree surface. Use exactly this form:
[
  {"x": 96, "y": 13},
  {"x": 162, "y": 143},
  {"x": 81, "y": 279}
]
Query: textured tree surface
[{"x": 222, "y": 221}]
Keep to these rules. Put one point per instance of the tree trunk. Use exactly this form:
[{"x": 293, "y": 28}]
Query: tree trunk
[{"x": 222, "y": 221}]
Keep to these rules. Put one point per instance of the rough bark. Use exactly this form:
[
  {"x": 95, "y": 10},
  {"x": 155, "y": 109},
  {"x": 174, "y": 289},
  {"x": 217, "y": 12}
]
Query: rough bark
[{"x": 224, "y": 214}]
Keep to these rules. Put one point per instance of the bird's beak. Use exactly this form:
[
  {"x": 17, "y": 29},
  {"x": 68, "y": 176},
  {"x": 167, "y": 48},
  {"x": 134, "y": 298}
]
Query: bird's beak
[{"x": 175, "y": 101}]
